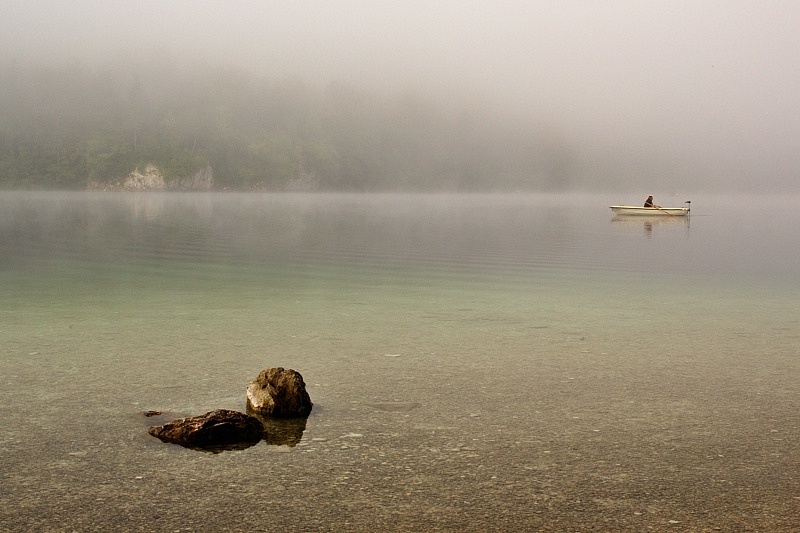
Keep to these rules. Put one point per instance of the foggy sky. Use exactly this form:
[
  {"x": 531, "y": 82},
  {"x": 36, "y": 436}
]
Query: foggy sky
[{"x": 683, "y": 95}]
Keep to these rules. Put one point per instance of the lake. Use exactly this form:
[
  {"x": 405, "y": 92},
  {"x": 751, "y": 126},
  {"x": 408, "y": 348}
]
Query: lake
[{"x": 477, "y": 362}]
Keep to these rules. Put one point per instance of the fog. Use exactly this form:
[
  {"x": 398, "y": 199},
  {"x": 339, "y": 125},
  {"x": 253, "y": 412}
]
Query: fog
[{"x": 671, "y": 96}]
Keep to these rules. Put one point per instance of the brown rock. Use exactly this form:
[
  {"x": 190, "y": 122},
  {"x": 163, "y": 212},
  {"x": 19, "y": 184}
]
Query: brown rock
[
  {"x": 278, "y": 393},
  {"x": 216, "y": 429}
]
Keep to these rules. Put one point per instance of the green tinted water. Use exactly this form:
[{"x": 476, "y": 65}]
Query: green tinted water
[{"x": 445, "y": 397}]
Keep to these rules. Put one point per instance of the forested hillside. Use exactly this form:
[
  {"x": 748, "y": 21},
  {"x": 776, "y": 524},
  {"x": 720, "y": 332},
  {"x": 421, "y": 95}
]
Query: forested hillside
[{"x": 63, "y": 128}]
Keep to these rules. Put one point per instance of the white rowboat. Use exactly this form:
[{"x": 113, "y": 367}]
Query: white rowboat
[{"x": 650, "y": 211}]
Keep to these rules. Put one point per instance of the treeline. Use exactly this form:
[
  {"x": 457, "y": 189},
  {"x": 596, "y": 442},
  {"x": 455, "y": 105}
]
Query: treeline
[{"x": 66, "y": 127}]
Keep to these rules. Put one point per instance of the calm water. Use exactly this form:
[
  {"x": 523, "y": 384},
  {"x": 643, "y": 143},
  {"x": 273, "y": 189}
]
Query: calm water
[{"x": 477, "y": 362}]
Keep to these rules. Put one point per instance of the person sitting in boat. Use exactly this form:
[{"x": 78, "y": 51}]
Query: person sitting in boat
[{"x": 649, "y": 202}]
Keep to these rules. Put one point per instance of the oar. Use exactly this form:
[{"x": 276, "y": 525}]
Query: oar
[{"x": 667, "y": 212}]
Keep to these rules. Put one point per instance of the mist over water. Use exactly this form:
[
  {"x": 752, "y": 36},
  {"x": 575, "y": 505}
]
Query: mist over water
[{"x": 504, "y": 233}]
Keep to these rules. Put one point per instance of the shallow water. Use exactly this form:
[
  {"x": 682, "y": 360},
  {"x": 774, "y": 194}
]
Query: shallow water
[{"x": 477, "y": 362}]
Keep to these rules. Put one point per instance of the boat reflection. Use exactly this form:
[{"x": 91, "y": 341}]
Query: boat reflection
[{"x": 648, "y": 223}]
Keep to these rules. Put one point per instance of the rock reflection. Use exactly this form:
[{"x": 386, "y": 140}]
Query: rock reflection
[{"x": 281, "y": 431}]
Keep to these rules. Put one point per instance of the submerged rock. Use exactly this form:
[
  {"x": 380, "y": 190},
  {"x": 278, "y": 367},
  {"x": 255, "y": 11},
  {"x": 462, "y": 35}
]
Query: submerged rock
[
  {"x": 219, "y": 429},
  {"x": 278, "y": 393},
  {"x": 394, "y": 406}
]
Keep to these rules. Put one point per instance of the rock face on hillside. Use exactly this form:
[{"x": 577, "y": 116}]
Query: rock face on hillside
[
  {"x": 152, "y": 179},
  {"x": 278, "y": 393},
  {"x": 220, "y": 429},
  {"x": 202, "y": 180}
]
